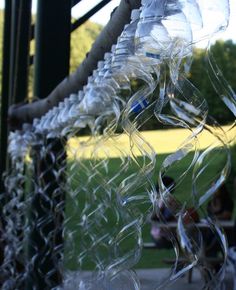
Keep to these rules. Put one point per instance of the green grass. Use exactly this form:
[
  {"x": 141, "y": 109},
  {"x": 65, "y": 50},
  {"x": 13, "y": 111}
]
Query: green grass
[{"x": 92, "y": 193}]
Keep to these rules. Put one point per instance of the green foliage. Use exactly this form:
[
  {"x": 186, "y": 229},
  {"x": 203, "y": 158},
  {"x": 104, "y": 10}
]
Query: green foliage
[
  {"x": 225, "y": 56},
  {"x": 81, "y": 42}
]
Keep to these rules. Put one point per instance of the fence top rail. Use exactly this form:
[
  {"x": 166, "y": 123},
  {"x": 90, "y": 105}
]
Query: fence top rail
[{"x": 201, "y": 224}]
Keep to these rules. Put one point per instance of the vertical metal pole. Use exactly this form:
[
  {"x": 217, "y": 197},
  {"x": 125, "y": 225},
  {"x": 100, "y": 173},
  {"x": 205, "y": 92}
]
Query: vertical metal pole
[
  {"x": 4, "y": 109},
  {"x": 20, "y": 45},
  {"x": 52, "y": 45},
  {"x": 51, "y": 66},
  {"x": 45, "y": 248},
  {"x": 17, "y": 22},
  {"x": 13, "y": 47},
  {"x": 5, "y": 88}
]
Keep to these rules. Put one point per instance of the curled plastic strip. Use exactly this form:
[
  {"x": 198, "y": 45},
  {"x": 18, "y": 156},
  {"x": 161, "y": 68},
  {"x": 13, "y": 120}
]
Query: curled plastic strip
[
  {"x": 16, "y": 201},
  {"x": 80, "y": 209}
]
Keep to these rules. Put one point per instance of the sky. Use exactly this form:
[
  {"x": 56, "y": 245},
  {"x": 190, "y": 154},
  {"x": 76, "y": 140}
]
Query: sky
[{"x": 103, "y": 16}]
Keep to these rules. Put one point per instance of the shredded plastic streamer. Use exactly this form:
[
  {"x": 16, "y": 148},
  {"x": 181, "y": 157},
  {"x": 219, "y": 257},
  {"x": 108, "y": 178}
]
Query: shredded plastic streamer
[{"x": 74, "y": 204}]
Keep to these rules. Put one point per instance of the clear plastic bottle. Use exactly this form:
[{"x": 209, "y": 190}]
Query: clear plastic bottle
[{"x": 163, "y": 29}]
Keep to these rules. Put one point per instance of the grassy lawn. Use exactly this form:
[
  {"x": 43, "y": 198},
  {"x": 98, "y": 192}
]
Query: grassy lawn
[
  {"x": 162, "y": 141},
  {"x": 94, "y": 181},
  {"x": 81, "y": 198}
]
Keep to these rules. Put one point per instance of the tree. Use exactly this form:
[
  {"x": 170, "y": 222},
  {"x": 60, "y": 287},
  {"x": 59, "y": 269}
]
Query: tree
[
  {"x": 225, "y": 56},
  {"x": 81, "y": 42}
]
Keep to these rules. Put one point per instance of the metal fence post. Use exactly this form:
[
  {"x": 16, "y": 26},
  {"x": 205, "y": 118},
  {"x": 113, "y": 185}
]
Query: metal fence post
[
  {"x": 52, "y": 33},
  {"x": 16, "y": 39}
]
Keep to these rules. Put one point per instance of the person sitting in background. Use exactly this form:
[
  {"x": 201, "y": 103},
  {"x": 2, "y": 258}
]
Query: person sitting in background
[
  {"x": 221, "y": 205},
  {"x": 159, "y": 235}
]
